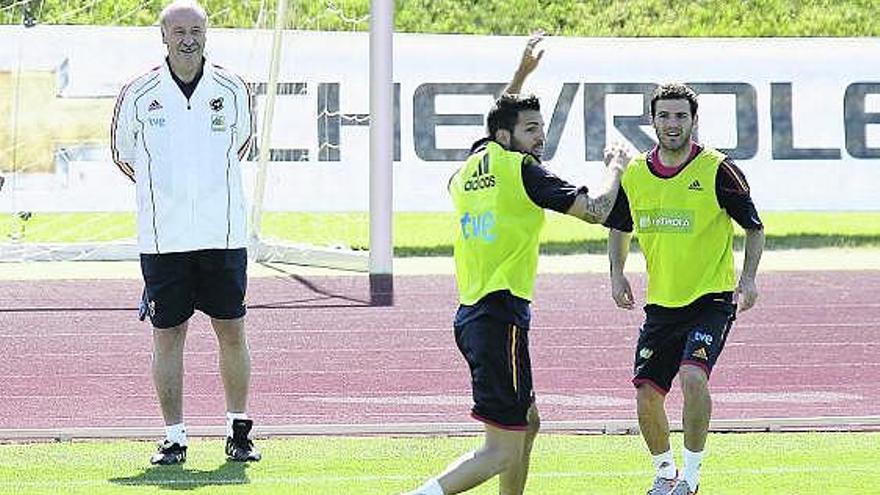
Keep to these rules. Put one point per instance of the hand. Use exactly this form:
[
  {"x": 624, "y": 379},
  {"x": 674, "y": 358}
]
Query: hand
[
  {"x": 531, "y": 56},
  {"x": 746, "y": 294},
  {"x": 617, "y": 156},
  {"x": 621, "y": 292}
]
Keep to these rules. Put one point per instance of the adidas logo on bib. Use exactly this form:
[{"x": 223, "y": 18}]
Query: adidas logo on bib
[{"x": 695, "y": 186}]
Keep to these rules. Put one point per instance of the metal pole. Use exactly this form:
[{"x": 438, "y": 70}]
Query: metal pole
[
  {"x": 381, "y": 152},
  {"x": 266, "y": 128}
]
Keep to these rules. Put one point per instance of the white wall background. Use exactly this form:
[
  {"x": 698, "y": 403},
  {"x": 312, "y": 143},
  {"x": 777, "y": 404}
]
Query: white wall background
[{"x": 100, "y": 60}]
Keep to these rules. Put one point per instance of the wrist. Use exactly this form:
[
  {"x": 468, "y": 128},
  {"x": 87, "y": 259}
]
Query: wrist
[
  {"x": 520, "y": 75},
  {"x": 617, "y": 168}
]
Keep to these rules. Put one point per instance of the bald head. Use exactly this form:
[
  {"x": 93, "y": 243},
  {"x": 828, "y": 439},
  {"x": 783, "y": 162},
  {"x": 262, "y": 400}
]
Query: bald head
[
  {"x": 189, "y": 9},
  {"x": 183, "y": 25}
]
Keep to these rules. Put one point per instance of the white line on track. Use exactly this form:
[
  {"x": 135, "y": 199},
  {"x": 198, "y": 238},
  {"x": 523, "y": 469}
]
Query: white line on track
[
  {"x": 536, "y": 369},
  {"x": 625, "y": 388},
  {"x": 404, "y": 307},
  {"x": 448, "y": 329},
  {"x": 536, "y": 348}
]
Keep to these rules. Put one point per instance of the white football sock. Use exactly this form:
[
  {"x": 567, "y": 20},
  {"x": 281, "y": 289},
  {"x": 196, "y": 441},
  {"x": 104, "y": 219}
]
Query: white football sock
[
  {"x": 230, "y": 417},
  {"x": 431, "y": 487},
  {"x": 692, "y": 462},
  {"x": 176, "y": 433},
  {"x": 664, "y": 464}
]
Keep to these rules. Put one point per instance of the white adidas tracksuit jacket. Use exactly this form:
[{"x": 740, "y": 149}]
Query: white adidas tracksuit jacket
[{"x": 184, "y": 155}]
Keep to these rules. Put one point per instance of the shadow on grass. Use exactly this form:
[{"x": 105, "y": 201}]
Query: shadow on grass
[
  {"x": 322, "y": 298},
  {"x": 599, "y": 246},
  {"x": 178, "y": 477}
]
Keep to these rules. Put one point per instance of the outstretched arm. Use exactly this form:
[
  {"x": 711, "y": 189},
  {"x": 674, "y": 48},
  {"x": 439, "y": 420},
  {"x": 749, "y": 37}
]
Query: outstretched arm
[
  {"x": 595, "y": 207},
  {"x": 527, "y": 64}
]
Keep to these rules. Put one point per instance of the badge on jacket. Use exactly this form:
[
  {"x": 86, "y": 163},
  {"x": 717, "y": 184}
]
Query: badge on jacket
[{"x": 218, "y": 123}]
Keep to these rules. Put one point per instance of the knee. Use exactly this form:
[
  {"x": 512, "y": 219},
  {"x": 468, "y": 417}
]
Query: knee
[
  {"x": 504, "y": 458},
  {"x": 168, "y": 340},
  {"x": 647, "y": 397},
  {"x": 233, "y": 340},
  {"x": 500, "y": 453},
  {"x": 231, "y": 336},
  {"x": 694, "y": 381}
]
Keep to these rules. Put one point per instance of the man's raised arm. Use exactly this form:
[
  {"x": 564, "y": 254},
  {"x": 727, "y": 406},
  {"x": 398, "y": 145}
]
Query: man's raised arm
[{"x": 527, "y": 64}]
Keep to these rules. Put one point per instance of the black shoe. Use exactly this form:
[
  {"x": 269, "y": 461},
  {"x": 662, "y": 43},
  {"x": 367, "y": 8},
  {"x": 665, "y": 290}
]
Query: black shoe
[
  {"x": 169, "y": 453},
  {"x": 239, "y": 447}
]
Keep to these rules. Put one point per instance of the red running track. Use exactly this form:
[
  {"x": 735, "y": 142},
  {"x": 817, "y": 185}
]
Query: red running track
[{"x": 74, "y": 354}]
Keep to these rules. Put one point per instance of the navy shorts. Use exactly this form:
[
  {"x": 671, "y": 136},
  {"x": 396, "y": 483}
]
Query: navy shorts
[
  {"x": 670, "y": 337},
  {"x": 501, "y": 372},
  {"x": 214, "y": 281}
]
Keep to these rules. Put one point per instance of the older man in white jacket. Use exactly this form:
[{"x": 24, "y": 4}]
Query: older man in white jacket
[{"x": 179, "y": 132}]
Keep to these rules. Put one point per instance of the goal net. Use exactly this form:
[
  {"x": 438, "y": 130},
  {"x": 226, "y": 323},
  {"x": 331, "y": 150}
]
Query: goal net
[{"x": 307, "y": 176}]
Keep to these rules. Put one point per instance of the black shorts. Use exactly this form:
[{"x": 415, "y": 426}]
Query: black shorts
[
  {"x": 213, "y": 281},
  {"x": 670, "y": 337},
  {"x": 501, "y": 372}
]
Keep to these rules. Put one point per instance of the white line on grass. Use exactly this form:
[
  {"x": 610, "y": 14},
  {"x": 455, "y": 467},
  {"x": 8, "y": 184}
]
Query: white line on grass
[
  {"x": 821, "y": 423},
  {"x": 310, "y": 480}
]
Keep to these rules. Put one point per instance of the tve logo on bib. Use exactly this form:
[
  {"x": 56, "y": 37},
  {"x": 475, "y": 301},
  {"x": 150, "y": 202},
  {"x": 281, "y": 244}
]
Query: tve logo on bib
[
  {"x": 664, "y": 221},
  {"x": 478, "y": 226}
]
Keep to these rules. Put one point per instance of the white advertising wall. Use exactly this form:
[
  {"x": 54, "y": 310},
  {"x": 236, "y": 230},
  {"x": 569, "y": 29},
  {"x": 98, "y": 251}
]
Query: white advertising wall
[{"x": 801, "y": 117}]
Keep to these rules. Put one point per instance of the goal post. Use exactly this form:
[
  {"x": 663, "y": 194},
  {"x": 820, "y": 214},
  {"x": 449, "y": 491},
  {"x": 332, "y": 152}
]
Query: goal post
[
  {"x": 381, "y": 152},
  {"x": 260, "y": 248},
  {"x": 379, "y": 261},
  {"x": 63, "y": 199}
]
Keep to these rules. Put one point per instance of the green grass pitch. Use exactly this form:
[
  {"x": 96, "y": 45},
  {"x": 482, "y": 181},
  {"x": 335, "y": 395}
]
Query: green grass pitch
[
  {"x": 432, "y": 233},
  {"x": 752, "y": 463}
]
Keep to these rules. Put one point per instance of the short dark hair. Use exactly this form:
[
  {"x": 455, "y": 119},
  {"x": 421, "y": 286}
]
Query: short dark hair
[
  {"x": 505, "y": 113},
  {"x": 674, "y": 91}
]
